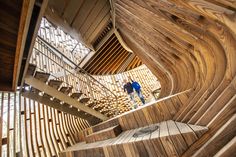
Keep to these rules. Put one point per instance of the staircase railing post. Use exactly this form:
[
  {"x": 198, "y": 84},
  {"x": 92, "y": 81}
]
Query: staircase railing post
[
  {"x": 89, "y": 87},
  {"x": 88, "y": 76}
]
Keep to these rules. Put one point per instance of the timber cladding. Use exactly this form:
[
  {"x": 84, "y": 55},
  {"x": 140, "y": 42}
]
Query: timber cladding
[
  {"x": 109, "y": 58},
  {"x": 18, "y": 22},
  {"x": 30, "y": 128},
  {"x": 162, "y": 110},
  {"x": 9, "y": 31},
  {"x": 189, "y": 44},
  {"x": 169, "y": 139}
]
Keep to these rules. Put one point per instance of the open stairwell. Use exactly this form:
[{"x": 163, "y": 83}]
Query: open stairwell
[
  {"x": 53, "y": 93},
  {"x": 148, "y": 131}
]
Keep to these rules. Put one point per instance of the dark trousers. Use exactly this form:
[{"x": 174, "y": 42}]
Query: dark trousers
[{"x": 140, "y": 95}]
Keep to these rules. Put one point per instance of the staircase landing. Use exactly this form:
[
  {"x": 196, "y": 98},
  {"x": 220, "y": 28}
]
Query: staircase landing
[{"x": 169, "y": 139}]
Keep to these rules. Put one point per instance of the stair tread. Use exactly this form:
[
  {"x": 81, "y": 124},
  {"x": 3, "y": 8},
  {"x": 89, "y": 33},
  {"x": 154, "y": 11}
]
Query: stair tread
[
  {"x": 47, "y": 96},
  {"x": 34, "y": 90},
  {"x": 66, "y": 90},
  {"x": 31, "y": 69},
  {"x": 42, "y": 76},
  {"x": 104, "y": 112},
  {"x": 55, "y": 83},
  {"x": 99, "y": 108},
  {"x": 76, "y": 95},
  {"x": 91, "y": 104},
  {"x": 84, "y": 100},
  {"x": 63, "y": 89}
]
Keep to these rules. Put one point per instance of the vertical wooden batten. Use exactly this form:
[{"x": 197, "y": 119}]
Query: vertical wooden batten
[{"x": 26, "y": 12}]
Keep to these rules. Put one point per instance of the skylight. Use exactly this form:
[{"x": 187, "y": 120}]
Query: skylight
[{"x": 55, "y": 36}]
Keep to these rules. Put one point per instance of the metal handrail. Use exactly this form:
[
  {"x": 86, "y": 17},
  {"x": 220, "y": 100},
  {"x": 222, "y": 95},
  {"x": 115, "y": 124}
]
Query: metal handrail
[
  {"x": 54, "y": 76},
  {"x": 53, "y": 49},
  {"x": 76, "y": 66},
  {"x": 61, "y": 67}
]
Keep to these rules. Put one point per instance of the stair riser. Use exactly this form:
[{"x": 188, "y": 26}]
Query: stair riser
[{"x": 104, "y": 135}]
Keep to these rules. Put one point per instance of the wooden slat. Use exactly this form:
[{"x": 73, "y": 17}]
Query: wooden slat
[
  {"x": 228, "y": 150},
  {"x": 156, "y": 142},
  {"x": 114, "y": 62},
  {"x": 186, "y": 44},
  {"x": 198, "y": 130},
  {"x": 109, "y": 61},
  {"x": 107, "y": 55},
  {"x": 221, "y": 138},
  {"x": 25, "y": 19},
  {"x": 166, "y": 140},
  {"x": 147, "y": 145},
  {"x": 83, "y": 13},
  {"x": 176, "y": 137},
  {"x": 109, "y": 58},
  {"x": 1, "y": 121},
  {"x": 92, "y": 15},
  {"x": 104, "y": 134},
  {"x": 111, "y": 39},
  {"x": 191, "y": 137},
  {"x": 97, "y": 26},
  {"x": 71, "y": 10}
]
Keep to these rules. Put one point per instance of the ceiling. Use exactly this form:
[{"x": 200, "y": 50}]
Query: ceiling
[
  {"x": 9, "y": 22},
  {"x": 90, "y": 21},
  {"x": 88, "y": 18},
  {"x": 110, "y": 57},
  {"x": 18, "y": 20}
]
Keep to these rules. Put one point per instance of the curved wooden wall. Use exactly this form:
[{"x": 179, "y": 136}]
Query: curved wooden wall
[
  {"x": 115, "y": 83},
  {"x": 189, "y": 44},
  {"x": 28, "y": 128}
]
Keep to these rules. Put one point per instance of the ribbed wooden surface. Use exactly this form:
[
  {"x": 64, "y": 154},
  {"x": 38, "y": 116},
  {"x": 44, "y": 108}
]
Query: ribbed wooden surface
[
  {"x": 170, "y": 139},
  {"x": 109, "y": 59},
  {"x": 88, "y": 18},
  {"x": 189, "y": 44},
  {"x": 34, "y": 129}
]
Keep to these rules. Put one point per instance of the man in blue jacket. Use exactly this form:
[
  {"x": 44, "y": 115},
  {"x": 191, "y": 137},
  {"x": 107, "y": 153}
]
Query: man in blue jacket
[
  {"x": 129, "y": 89},
  {"x": 137, "y": 88}
]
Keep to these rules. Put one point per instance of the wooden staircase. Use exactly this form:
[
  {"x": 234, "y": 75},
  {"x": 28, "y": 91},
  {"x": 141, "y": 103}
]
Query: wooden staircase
[
  {"x": 59, "y": 95},
  {"x": 148, "y": 131},
  {"x": 104, "y": 134},
  {"x": 167, "y": 139}
]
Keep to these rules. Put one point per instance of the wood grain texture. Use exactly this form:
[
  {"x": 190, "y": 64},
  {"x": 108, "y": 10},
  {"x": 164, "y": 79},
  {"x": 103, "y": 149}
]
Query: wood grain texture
[
  {"x": 109, "y": 58},
  {"x": 83, "y": 19},
  {"x": 11, "y": 28},
  {"x": 198, "y": 56},
  {"x": 165, "y": 141},
  {"x": 188, "y": 44}
]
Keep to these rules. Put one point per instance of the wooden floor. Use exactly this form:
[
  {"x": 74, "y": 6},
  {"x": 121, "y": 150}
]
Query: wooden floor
[
  {"x": 170, "y": 139},
  {"x": 154, "y": 112}
]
